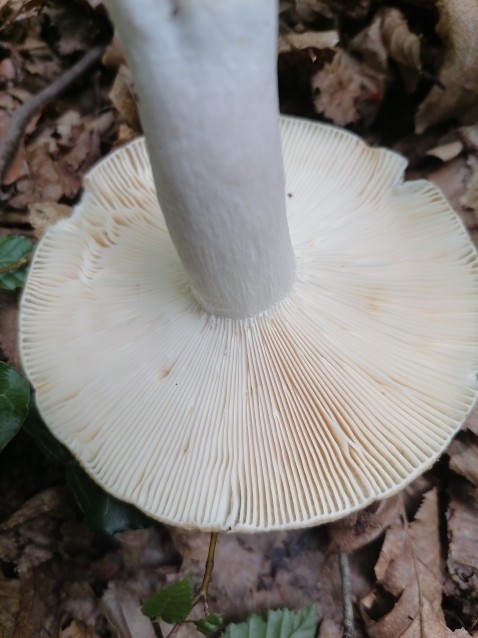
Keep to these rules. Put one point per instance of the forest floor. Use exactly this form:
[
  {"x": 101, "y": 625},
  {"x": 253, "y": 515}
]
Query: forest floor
[{"x": 400, "y": 74}]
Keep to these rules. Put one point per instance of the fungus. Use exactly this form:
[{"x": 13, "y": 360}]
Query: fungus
[{"x": 232, "y": 357}]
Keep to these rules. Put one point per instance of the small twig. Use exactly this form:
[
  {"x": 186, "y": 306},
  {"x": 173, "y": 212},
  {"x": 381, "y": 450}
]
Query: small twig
[
  {"x": 203, "y": 591},
  {"x": 348, "y": 611},
  {"x": 17, "y": 264},
  {"x": 23, "y": 114}
]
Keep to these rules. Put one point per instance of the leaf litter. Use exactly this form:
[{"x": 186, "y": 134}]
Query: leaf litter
[{"x": 402, "y": 74}]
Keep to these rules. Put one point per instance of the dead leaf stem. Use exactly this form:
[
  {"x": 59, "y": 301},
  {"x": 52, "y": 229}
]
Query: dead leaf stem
[
  {"x": 348, "y": 611},
  {"x": 23, "y": 114},
  {"x": 203, "y": 591},
  {"x": 17, "y": 264}
]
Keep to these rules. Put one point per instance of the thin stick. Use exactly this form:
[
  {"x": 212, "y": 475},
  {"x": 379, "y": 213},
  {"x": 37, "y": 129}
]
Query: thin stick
[
  {"x": 203, "y": 591},
  {"x": 348, "y": 611},
  {"x": 17, "y": 264},
  {"x": 22, "y": 115}
]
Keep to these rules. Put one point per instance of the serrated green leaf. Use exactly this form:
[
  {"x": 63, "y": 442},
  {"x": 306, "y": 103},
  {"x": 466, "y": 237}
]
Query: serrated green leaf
[
  {"x": 14, "y": 399},
  {"x": 49, "y": 445},
  {"x": 172, "y": 604},
  {"x": 13, "y": 249},
  {"x": 209, "y": 625},
  {"x": 281, "y": 623},
  {"x": 102, "y": 512}
]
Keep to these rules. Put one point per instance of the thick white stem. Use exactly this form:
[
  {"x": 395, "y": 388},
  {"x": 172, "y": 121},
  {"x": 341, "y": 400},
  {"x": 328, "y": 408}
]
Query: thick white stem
[{"x": 204, "y": 71}]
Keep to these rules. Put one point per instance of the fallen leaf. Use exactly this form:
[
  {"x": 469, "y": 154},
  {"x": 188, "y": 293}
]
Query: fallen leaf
[
  {"x": 446, "y": 152},
  {"x": 10, "y": 597},
  {"x": 463, "y": 452},
  {"x": 9, "y": 329},
  {"x": 408, "y": 602},
  {"x": 470, "y": 198},
  {"x": 353, "y": 532},
  {"x": 42, "y": 215},
  {"x": 462, "y": 523},
  {"x": 77, "y": 629},
  {"x": 457, "y": 28},
  {"x": 124, "y": 613},
  {"x": 42, "y": 503},
  {"x": 313, "y": 39},
  {"x": 469, "y": 136},
  {"x": 403, "y": 46},
  {"x": 123, "y": 98},
  {"x": 347, "y": 90},
  {"x": 256, "y": 572}
]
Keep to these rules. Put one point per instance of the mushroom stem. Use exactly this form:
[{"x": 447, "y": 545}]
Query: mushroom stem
[{"x": 205, "y": 74}]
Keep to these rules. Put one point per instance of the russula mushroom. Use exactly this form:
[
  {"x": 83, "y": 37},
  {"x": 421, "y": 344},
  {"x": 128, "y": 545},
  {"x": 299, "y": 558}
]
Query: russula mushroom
[{"x": 243, "y": 355}]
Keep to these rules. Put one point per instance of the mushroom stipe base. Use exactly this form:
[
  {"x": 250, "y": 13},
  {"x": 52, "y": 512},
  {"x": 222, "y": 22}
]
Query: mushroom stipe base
[{"x": 339, "y": 395}]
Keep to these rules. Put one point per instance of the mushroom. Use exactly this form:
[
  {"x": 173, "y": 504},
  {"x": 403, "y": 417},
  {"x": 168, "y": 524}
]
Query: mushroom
[{"x": 245, "y": 355}]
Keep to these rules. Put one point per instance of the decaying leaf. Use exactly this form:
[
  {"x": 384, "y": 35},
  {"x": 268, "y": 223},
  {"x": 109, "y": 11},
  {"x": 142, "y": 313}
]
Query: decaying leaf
[
  {"x": 462, "y": 562},
  {"x": 42, "y": 214},
  {"x": 314, "y": 39},
  {"x": 408, "y": 601},
  {"x": 403, "y": 46},
  {"x": 347, "y": 90},
  {"x": 353, "y": 532},
  {"x": 77, "y": 629},
  {"x": 457, "y": 28},
  {"x": 463, "y": 452},
  {"x": 42, "y": 503},
  {"x": 123, "y": 98},
  {"x": 470, "y": 198},
  {"x": 447, "y": 151},
  {"x": 124, "y": 614},
  {"x": 10, "y": 597}
]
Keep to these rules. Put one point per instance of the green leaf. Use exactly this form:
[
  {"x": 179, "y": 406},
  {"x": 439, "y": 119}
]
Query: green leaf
[
  {"x": 14, "y": 249},
  {"x": 172, "y": 604},
  {"x": 210, "y": 624},
  {"x": 14, "y": 399},
  {"x": 281, "y": 623},
  {"x": 49, "y": 445},
  {"x": 102, "y": 512}
]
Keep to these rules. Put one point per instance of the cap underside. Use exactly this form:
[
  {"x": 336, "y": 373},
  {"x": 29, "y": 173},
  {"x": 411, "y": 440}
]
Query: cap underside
[{"x": 339, "y": 395}]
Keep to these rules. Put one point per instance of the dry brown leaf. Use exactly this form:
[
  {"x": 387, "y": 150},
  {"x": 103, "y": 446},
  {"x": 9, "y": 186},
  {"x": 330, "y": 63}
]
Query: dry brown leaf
[
  {"x": 469, "y": 136},
  {"x": 463, "y": 452},
  {"x": 470, "y": 198},
  {"x": 123, "y": 98},
  {"x": 9, "y": 329},
  {"x": 113, "y": 57},
  {"x": 446, "y": 152},
  {"x": 369, "y": 48},
  {"x": 353, "y": 532},
  {"x": 10, "y": 597},
  {"x": 256, "y": 572},
  {"x": 43, "y": 214},
  {"x": 347, "y": 90},
  {"x": 124, "y": 613},
  {"x": 457, "y": 28},
  {"x": 409, "y": 570},
  {"x": 471, "y": 422},
  {"x": 41, "y": 503},
  {"x": 402, "y": 45},
  {"x": 35, "y": 615},
  {"x": 18, "y": 10},
  {"x": 462, "y": 562},
  {"x": 78, "y": 630},
  {"x": 314, "y": 39}
]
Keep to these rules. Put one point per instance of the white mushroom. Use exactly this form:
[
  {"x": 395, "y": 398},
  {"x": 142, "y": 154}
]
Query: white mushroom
[{"x": 223, "y": 375}]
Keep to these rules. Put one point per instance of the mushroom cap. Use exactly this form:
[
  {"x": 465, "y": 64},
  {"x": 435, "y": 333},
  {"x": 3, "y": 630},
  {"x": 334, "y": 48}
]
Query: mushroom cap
[{"x": 337, "y": 396}]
